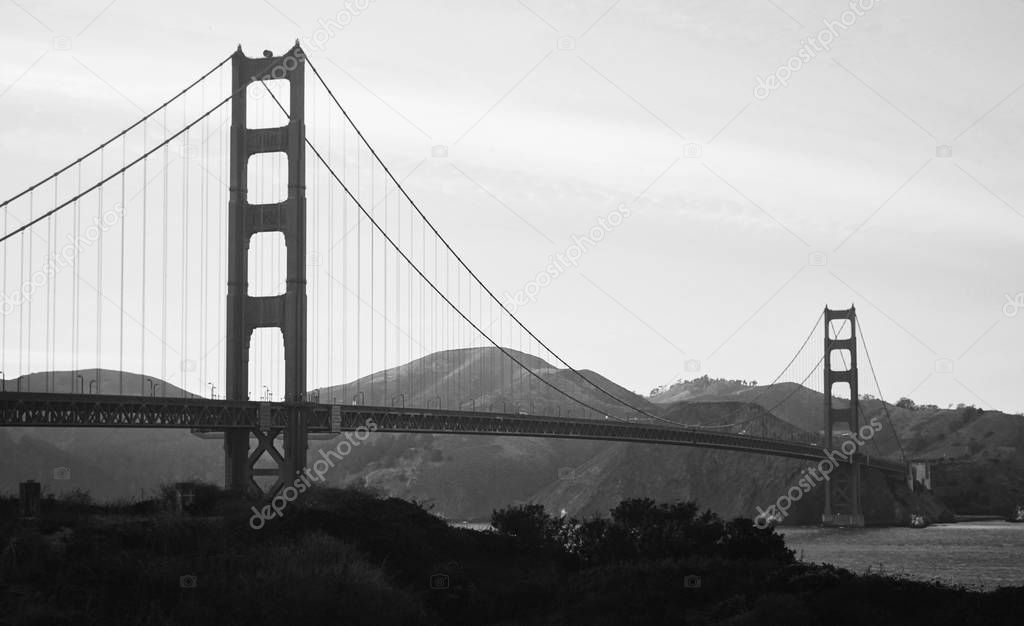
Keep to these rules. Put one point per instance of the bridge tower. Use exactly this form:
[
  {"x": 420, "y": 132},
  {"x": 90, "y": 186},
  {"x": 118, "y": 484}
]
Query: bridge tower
[
  {"x": 286, "y": 311},
  {"x": 842, "y": 487}
]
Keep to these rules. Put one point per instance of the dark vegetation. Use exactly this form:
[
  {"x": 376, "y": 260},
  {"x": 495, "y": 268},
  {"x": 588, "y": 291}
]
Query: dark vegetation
[
  {"x": 352, "y": 557},
  {"x": 703, "y": 384}
]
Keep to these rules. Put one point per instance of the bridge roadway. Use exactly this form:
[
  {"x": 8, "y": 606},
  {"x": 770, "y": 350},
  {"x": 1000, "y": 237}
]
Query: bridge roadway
[{"x": 115, "y": 411}]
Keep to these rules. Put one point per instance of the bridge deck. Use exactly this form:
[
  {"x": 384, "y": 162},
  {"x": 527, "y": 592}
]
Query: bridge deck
[{"x": 113, "y": 411}]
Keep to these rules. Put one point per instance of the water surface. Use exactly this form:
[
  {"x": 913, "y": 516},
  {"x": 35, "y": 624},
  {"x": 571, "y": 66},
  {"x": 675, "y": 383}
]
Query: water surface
[{"x": 980, "y": 555}]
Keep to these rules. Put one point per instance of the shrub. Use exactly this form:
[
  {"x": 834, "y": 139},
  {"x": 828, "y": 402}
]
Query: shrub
[
  {"x": 528, "y": 523},
  {"x": 640, "y": 529},
  {"x": 906, "y": 403}
]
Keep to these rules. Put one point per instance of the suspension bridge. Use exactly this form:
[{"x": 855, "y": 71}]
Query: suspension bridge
[{"x": 255, "y": 177}]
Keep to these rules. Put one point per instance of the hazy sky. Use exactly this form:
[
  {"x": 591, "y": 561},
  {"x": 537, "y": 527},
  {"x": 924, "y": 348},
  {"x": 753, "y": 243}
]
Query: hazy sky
[{"x": 555, "y": 113}]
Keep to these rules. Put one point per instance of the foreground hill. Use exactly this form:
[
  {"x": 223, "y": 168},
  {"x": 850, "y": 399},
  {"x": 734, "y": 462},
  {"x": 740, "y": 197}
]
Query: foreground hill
[{"x": 348, "y": 557}]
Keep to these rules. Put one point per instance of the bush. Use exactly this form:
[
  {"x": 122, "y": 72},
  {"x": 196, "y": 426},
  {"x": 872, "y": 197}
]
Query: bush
[
  {"x": 906, "y": 403},
  {"x": 77, "y": 498},
  {"x": 640, "y": 529},
  {"x": 528, "y": 523},
  {"x": 198, "y": 498}
]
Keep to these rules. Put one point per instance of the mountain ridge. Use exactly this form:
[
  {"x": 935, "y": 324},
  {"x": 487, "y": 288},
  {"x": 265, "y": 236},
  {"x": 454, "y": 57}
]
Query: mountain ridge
[{"x": 466, "y": 476}]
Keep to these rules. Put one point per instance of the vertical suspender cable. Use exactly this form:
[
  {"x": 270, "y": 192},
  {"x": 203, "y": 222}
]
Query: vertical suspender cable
[
  {"x": 184, "y": 259},
  {"x": 123, "y": 211},
  {"x": 384, "y": 300},
  {"x": 3, "y": 321},
  {"x": 330, "y": 263},
  {"x": 359, "y": 281},
  {"x": 163, "y": 273},
  {"x": 373, "y": 299},
  {"x": 203, "y": 229},
  {"x": 31, "y": 262},
  {"x": 99, "y": 275},
  {"x": 77, "y": 287},
  {"x": 142, "y": 286},
  {"x": 21, "y": 303},
  {"x": 220, "y": 325},
  {"x": 51, "y": 281}
]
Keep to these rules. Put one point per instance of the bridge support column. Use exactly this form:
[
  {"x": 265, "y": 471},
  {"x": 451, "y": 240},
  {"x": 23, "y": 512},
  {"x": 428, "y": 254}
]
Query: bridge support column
[
  {"x": 842, "y": 486},
  {"x": 236, "y": 460},
  {"x": 286, "y": 311}
]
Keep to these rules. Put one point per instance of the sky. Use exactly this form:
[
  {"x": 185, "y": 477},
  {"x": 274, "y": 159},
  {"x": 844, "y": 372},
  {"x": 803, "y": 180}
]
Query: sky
[{"x": 884, "y": 173}]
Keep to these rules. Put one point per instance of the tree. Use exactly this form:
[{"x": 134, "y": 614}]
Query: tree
[
  {"x": 528, "y": 522},
  {"x": 743, "y": 540},
  {"x": 906, "y": 403},
  {"x": 635, "y": 512}
]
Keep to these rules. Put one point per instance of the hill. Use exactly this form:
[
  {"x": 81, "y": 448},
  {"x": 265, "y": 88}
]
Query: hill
[
  {"x": 977, "y": 455},
  {"x": 110, "y": 463},
  {"x": 462, "y": 477}
]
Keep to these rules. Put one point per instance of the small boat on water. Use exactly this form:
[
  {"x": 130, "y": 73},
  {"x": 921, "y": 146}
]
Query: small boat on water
[
  {"x": 1018, "y": 515},
  {"x": 918, "y": 521}
]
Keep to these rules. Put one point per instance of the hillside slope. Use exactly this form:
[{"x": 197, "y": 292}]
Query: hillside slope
[{"x": 462, "y": 477}]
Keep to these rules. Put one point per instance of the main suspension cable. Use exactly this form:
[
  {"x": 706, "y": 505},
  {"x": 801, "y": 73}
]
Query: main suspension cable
[
  {"x": 767, "y": 387},
  {"x": 114, "y": 175},
  {"x": 463, "y": 263},
  {"x": 878, "y": 388},
  {"x": 433, "y": 286},
  {"x": 118, "y": 135}
]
